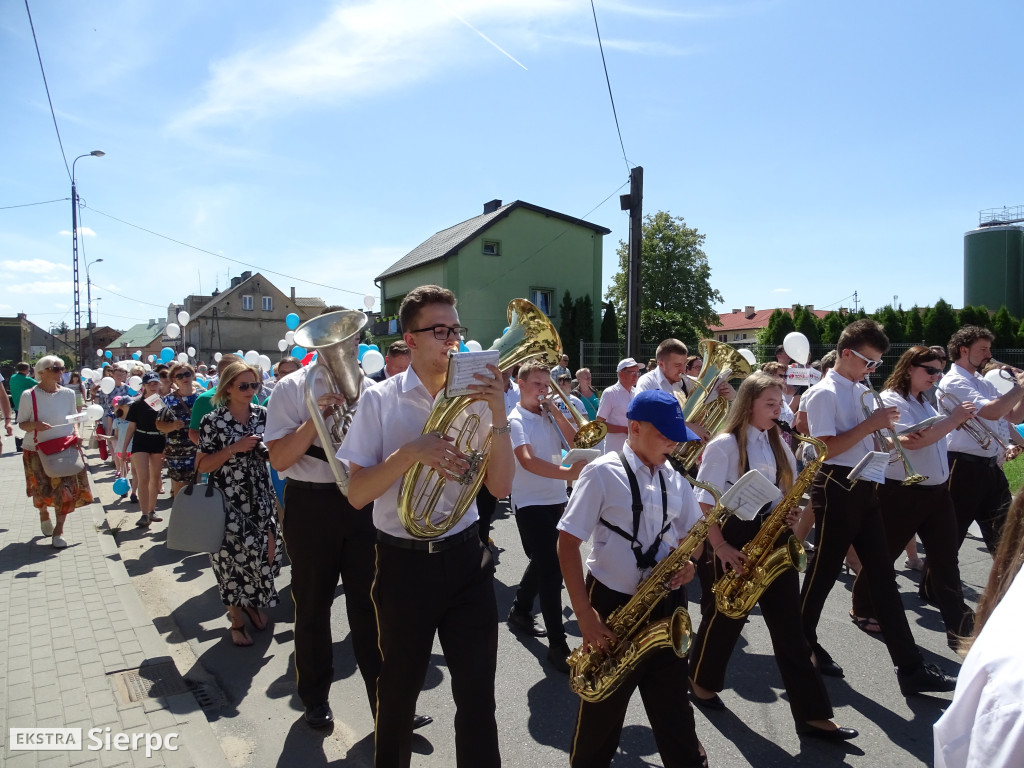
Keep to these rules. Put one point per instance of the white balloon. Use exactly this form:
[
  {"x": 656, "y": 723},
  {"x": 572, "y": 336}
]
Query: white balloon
[
  {"x": 184, "y": 317},
  {"x": 172, "y": 331},
  {"x": 97, "y": 376},
  {"x": 797, "y": 347},
  {"x": 252, "y": 357},
  {"x": 191, "y": 351},
  {"x": 86, "y": 373},
  {"x": 135, "y": 382},
  {"x": 289, "y": 338},
  {"x": 473, "y": 346},
  {"x": 99, "y": 353},
  {"x": 369, "y": 301},
  {"x": 282, "y": 345},
  {"x": 1001, "y": 383},
  {"x": 747, "y": 355},
  {"x": 265, "y": 363},
  {"x": 372, "y": 362},
  {"x": 183, "y": 357},
  {"x": 152, "y": 358},
  {"x": 107, "y": 385},
  {"x": 217, "y": 356},
  {"x": 147, "y": 367},
  {"x": 94, "y": 412},
  {"x": 138, "y": 352}
]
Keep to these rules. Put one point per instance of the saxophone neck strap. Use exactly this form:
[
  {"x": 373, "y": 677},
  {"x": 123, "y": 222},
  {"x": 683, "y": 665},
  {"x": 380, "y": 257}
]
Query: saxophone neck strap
[{"x": 644, "y": 558}]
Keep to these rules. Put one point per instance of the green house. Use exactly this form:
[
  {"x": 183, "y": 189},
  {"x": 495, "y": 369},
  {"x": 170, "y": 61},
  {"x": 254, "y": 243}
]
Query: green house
[{"x": 518, "y": 250}]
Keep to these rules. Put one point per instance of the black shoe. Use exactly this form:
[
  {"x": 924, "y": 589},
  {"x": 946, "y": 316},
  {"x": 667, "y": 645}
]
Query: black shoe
[
  {"x": 524, "y": 622},
  {"x": 418, "y": 721},
  {"x": 714, "y": 704},
  {"x": 557, "y": 655},
  {"x": 826, "y": 665},
  {"x": 927, "y": 678},
  {"x": 319, "y": 715},
  {"x": 838, "y": 734}
]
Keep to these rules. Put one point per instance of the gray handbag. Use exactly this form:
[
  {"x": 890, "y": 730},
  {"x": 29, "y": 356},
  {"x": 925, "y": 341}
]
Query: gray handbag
[{"x": 197, "y": 518}]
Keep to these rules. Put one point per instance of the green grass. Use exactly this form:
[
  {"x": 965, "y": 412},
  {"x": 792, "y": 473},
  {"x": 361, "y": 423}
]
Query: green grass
[{"x": 1015, "y": 473}]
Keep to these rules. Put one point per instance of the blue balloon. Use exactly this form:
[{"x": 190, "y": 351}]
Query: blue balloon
[
  {"x": 122, "y": 486},
  {"x": 107, "y": 354},
  {"x": 132, "y": 392},
  {"x": 166, "y": 354},
  {"x": 375, "y": 347},
  {"x": 299, "y": 352},
  {"x": 136, "y": 355},
  {"x": 292, "y": 321},
  {"x": 506, "y": 330},
  {"x": 363, "y": 348},
  {"x": 462, "y": 346}
]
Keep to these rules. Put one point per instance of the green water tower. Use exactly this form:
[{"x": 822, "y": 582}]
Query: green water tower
[{"x": 994, "y": 261}]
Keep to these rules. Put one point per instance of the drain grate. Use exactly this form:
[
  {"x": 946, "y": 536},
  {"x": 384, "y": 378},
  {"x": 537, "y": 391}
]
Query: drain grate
[
  {"x": 209, "y": 697},
  {"x": 148, "y": 682}
]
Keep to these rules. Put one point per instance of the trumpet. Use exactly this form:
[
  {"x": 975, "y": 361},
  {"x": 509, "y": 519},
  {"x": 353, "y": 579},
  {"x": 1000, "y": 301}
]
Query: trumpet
[
  {"x": 887, "y": 436},
  {"x": 976, "y": 429}
]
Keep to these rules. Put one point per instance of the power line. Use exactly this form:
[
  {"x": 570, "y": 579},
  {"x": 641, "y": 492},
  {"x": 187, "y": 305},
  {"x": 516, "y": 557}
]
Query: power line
[
  {"x": 840, "y": 300},
  {"x": 26, "y": 205},
  {"x": 47, "y": 86},
  {"x": 604, "y": 63},
  {"x": 227, "y": 258},
  {"x": 131, "y": 298}
]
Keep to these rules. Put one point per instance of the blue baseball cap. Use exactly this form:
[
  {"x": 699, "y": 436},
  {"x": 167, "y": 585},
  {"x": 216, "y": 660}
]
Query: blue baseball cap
[{"x": 661, "y": 409}]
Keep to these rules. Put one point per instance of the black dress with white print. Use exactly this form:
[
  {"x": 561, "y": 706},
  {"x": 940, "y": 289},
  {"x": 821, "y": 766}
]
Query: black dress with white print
[{"x": 244, "y": 574}]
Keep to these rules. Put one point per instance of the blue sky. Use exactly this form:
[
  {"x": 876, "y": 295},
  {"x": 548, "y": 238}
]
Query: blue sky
[{"x": 823, "y": 148}]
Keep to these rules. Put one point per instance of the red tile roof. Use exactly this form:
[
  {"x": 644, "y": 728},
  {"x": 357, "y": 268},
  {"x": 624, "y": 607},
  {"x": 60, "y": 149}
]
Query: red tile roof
[{"x": 740, "y": 320}]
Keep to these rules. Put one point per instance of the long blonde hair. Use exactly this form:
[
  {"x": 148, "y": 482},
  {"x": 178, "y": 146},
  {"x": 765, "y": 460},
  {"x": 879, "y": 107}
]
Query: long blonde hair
[
  {"x": 227, "y": 378},
  {"x": 738, "y": 419}
]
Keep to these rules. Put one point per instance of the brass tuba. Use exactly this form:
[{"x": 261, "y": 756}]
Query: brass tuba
[
  {"x": 335, "y": 338},
  {"x": 721, "y": 363},
  {"x": 530, "y": 334}
]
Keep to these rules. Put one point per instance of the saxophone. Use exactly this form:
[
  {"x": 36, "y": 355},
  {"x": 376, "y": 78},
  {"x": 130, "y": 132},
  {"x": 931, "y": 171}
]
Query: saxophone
[
  {"x": 595, "y": 674},
  {"x": 735, "y": 595}
]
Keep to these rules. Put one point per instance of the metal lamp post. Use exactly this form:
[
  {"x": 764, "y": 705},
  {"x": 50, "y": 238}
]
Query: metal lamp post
[
  {"x": 74, "y": 251},
  {"x": 88, "y": 301}
]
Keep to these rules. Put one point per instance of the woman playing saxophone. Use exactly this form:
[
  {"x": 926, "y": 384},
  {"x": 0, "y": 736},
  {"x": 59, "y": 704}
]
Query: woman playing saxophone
[{"x": 750, "y": 440}]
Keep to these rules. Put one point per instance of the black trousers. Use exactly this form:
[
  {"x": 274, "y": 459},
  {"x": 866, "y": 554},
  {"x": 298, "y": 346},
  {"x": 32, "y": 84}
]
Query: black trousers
[
  {"x": 848, "y": 516},
  {"x": 780, "y": 606},
  {"x": 450, "y": 593},
  {"x": 326, "y": 539},
  {"x": 980, "y": 493},
  {"x": 925, "y": 510},
  {"x": 543, "y": 576},
  {"x": 485, "y": 506},
  {"x": 661, "y": 678}
]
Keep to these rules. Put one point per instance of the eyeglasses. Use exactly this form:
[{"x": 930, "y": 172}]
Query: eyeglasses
[
  {"x": 443, "y": 332},
  {"x": 183, "y": 375},
  {"x": 871, "y": 364},
  {"x": 930, "y": 370},
  {"x": 245, "y": 386}
]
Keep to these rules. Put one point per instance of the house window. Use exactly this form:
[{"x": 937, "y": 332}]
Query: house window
[
  {"x": 268, "y": 303},
  {"x": 247, "y": 303},
  {"x": 723, "y": 337},
  {"x": 542, "y": 298},
  {"x": 491, "y": 248}
]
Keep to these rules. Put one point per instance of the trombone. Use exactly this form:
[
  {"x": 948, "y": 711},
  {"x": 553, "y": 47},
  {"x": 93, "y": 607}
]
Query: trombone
[
  {"x": 886, "y": 436},
  {"x": 588, "y": 433}
]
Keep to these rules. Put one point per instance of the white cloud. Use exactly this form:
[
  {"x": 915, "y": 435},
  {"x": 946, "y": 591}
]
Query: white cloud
[
  {"x": 35, "y": 266},
  {"x": 782, "y": 290},
  {"x": 82, "y": 232},
  {"x": 43, "y": 287}
]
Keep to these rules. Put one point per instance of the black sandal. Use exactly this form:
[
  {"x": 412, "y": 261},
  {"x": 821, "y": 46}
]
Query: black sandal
[{"x": 867, "y": 624}]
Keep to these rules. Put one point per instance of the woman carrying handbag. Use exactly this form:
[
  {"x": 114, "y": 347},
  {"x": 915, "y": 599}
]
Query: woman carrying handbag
[{"x": 55, "y": 474}]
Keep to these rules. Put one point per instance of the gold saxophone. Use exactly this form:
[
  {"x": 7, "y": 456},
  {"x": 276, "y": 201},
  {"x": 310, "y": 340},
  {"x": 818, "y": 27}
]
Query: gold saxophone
[
  {"x": 595, "y": 674},
  {"x": 735, "y": 594}
]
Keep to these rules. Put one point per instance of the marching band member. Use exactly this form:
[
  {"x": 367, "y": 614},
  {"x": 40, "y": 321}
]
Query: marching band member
[
  {"x": 924, "y": 509},
  {"x": 670, "y": 373},
  {"x": 615, "y": 401},
  {"x": 750, "y": 440},
  {"x": 443, "y": 585},
  {"x": 848, "y": 513},
  {"x": 632, "y": 490}
]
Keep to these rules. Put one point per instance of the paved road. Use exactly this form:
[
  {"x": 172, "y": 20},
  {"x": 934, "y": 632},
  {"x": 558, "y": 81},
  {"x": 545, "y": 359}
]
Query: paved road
[{"x": 251, "y": 702}]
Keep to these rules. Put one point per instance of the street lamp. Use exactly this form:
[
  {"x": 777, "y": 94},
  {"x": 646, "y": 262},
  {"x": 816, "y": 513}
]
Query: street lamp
[
  {"x": 74, "y": 250},
  {"x": 88, "y": 301}
]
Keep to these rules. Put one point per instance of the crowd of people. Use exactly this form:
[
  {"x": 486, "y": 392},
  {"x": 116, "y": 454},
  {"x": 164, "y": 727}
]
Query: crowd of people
[{"x": 630, "y": 498}]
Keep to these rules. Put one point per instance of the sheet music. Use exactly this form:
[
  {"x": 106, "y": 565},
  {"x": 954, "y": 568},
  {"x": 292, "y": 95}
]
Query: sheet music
[
  {"x": 462, "y": 366},
  {"x": 871, "y": 468},
  {"x": 749, "y": 494},
  {"x": 580, "y": 454}
]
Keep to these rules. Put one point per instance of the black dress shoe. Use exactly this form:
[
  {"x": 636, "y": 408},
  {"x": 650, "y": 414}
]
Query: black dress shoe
[
  {"x": 826, "y": 665},
  {"x": 925, "y": 679},
  {"x": 557, "y": 655},
  {"x": 524, "y": 622},
  {"x": 714, "y": 704},
  {"x": 418, "y": 721},
  {"x": 838, "y": 734},
  {"x": 319, "y": 715}
]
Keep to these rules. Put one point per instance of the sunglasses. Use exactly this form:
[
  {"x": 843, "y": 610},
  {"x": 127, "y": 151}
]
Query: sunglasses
[
  {"x": 183, "y": 375},
  {"x": 871, "y": 364},
  {"x": 249, "y": 385},
  {"x": 444, "y": 332},
  {"x": 163, "y": 374},
  {"x": 56, "y": 367},
  {"x": 930, "y": 370}
]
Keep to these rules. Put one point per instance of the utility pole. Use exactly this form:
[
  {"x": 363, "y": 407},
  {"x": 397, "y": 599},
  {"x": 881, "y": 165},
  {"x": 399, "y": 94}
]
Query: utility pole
[{"x": 634, "y": 203}]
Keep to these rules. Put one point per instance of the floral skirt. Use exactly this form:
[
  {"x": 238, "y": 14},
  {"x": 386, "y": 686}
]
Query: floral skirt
[
  {"x": 180, "y": 456},
  {"x": 61, "y": 493}
]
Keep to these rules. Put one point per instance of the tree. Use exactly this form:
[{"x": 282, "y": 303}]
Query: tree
[
  {"x": 974, "y": 316},
  {"x": 914, "y": 332},
  {"x": 807, "y": 323},
  {"x": 832, "y": 326},
  {"x": 60, "y": 330},
  {"x": 939, "y": 323},
  {"x": 610, "y": 325},
  {"x": 677, "y": 299},
  {"x": 891, "y": 322},
  {"x": 584, "y": 311},
  {"x": 779, "y": 325},
  {"x": 1005, "y": 329},
  {"x": 567, "y": 327}
]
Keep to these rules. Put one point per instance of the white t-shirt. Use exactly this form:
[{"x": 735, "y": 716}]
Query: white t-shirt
[
  {"x": 537, "y": 431},
  {"x": 834, "y": 407},
  {"x": 612, "y": 408},
  {"x": 50, "y": 408}
]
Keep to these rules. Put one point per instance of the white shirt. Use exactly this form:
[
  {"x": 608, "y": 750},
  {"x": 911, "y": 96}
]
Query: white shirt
[
  {"x": 929, "y": 461},
  {"x": 576, "y": 403},
  {"x": 984, "y": 725},
  {"x": 612, "y": 408},
  {"x": 833, "y": 407},
  {"x": 286, "y": 412},
  {"x": 971, "y": 388},
  {"x": 720, "y": 464},
  {"x": 511, "y": 397},
  {"x": 655, "y": 379},
  {"x": 536, "y": 431},
  {"x": 602, "y": 491},
  {"x": 390, "y": 415},
  {"x": 52, "y": 408}
]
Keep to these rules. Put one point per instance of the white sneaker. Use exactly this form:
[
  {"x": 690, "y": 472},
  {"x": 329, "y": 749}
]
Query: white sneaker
[
  {"x": 59, "y": 543},
  {"x": 46, "y": 526}
]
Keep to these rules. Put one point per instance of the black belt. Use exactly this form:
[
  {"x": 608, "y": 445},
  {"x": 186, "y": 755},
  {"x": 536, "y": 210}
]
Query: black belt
[
  {"x": 970, "y": 458},
  {"x": 305, "y": 485},
  {"x": 432, "y": 546}
]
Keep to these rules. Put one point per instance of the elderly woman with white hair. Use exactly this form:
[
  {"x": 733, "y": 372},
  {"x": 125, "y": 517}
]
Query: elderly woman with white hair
[{"x": 42, "y": 414}]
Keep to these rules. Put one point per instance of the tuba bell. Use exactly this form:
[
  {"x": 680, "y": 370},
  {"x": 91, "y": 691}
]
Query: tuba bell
[
  {"x": 530, "y": 334},
  {"x": 335, "y": 338}
]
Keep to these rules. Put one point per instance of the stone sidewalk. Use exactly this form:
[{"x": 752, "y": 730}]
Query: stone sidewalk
[{"x": 79, "y": 649}]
